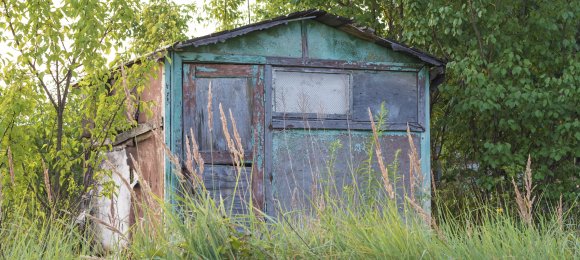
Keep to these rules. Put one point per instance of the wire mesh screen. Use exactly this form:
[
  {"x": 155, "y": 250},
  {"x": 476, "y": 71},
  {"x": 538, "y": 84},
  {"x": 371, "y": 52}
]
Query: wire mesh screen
[{"x": 311, "y": 92}]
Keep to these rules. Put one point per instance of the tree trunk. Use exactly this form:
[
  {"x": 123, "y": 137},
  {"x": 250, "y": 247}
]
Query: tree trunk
[{"x": 59, "y": 134}]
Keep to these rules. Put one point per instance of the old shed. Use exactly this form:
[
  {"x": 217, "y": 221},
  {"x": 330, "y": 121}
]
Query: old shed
[{"x": 299, "y": 88}]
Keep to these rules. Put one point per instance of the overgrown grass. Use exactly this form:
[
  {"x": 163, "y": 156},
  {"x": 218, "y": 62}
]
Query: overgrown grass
[
  {"x": 378, "y": 227},
  {"x": 40, "y": 237},
  {"x": 202, "y": 230}
]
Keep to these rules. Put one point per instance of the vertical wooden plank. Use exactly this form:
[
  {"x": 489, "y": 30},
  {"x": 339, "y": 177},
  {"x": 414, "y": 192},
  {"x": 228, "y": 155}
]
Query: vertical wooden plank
[
  {"x": 268, "y": 159},
  {"x": 258, "y": 137},
  {"x": 304, "y": 38},
  {"x": 234, "y": 94},
  {"x": 426, "y": 141},
  {"x": 421, "y": 97},
  {"x": 189, "y": 100},
  {"x": 167, "y": 76},
  {"x": 175, "y": 126},
  {"x": 230, "y": 183}
]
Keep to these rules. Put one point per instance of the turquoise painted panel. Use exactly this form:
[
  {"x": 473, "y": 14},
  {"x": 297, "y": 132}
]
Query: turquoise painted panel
[
  {"x": 167, "y": 70},
  {"x": 173, "y": 132},
  {"x": 325, "y": 42},
  {"x": 280, "y": 41}
]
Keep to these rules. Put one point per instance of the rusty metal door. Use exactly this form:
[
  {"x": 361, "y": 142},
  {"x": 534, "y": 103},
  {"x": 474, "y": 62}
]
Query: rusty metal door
[{"x": 240, "y": 91}]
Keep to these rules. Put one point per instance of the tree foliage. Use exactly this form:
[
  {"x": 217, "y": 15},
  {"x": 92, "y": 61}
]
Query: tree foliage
[
  {"x": 512, "y": 90},
  {"x": 512, "y": 84},
  {"x": 64, "y": 87}
]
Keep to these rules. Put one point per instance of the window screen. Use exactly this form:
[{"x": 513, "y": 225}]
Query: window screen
[
  {"x": 311, "y": 92},
  {"x": 398, "y": 90}
]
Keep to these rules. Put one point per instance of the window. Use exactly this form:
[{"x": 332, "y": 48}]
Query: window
[
  {"x": 311, "y": 93},
  {"x": 340, "y": 99},
  {"x": 397, "y": 90}
]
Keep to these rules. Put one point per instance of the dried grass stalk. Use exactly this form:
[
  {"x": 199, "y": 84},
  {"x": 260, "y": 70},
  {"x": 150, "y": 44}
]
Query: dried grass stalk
[
  {"x": 433, "y": 183},
  {"x": 129, "y": 102},
  {"x": 426, "y": 217},
  {"x": 172, "y": 158},
  {"x": 525, "y": 202},
  {"x": 11, "y": 166},
  {"x": 127, "y": 185},
  {"x": 143, "y": 183},
  {"x": 237, "y": 138},
  {"x": 188, "y": 157},
  {"x": 379, "y": 154},
  {"x": 229, "y": 140},
  {"x": 109, "y": 227},
  {"x": 415, "y": 176},
  {"x": 147, "y": 193},
  {"x": 47, "y": 182},
  {"x": 194, "y": 156}
]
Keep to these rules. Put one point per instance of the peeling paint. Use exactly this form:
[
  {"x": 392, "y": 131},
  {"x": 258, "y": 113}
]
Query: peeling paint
[
  {"x": 331, "y": 44},
  {"x": 114, "y": 209},
  {"x": 205, "y": 69},
  {"x": 280, "y": 41}
]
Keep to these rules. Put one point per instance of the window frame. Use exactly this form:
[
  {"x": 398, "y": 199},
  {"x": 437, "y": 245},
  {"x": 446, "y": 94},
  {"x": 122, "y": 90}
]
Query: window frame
[
  {"x": 311, "y": 121},
  {"x": 313, "y": 116}
]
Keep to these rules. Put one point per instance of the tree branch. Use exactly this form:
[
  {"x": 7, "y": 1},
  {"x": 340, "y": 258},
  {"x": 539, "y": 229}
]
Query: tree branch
[
  {"x": 473, "y": 21},
  {"x": 32, "y": 66}
]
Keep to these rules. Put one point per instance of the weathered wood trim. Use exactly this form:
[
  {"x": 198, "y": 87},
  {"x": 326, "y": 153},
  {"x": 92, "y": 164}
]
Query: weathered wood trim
[
  {"x": 342, "y": 64},
  {"x": 258, "y": 109},
  {"x": 269, "y": 203},
  {"x": 175, "y": 127},
  {"x": 426, "y": 143},
  {"x": 134, "y": 132},
  {"x": 302, "y": 116},
  {"x": 167, "y": 75},
  {"x": 421, "y": 96},
  {"x": 296, "y": 62},
  {"x": 221, "y": 58},
  {"x": 222, "y": 71},
  {"x": 340, "y": 125}
]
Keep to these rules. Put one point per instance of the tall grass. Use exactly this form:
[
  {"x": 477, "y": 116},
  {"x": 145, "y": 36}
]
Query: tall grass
[
  {"x": 204, "y": 228},
  {"x": 338, "y": 229},
  {"x": 204, "y": 231},
  {"x": 40, "y": 237}
]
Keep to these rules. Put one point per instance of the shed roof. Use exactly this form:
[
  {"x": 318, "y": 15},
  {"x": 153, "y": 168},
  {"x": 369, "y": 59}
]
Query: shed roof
[{"x": 341, "y": 23}]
